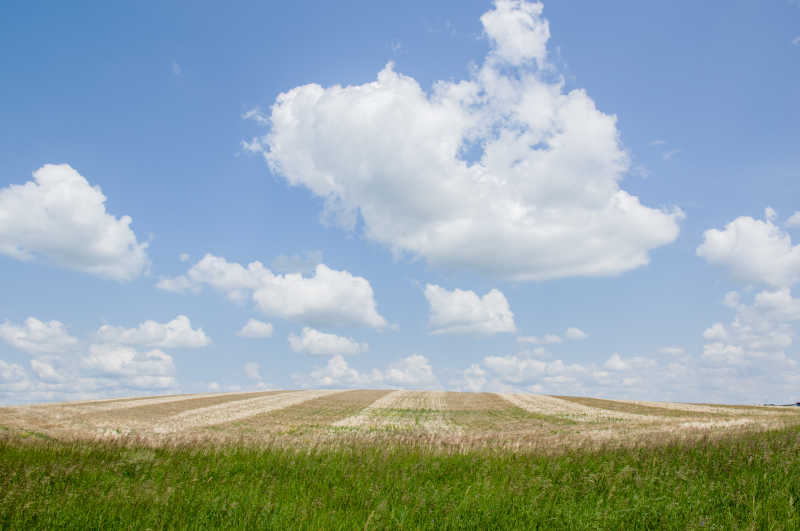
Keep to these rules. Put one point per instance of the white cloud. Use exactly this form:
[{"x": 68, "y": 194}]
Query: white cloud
[
  {"x": 518, "y": 32},
  {"x": 179, "y": 284},
  {"x": 177, "y": 333},
  {"x": 37, "y": 337},
  {"x": 542, "y": 202},
  {"x": 748, "y": 360},
  {"x": 575, "y": 334},
  {"x": 463, "y": 311},
  {"x": 754, "y": 251},
  {"x": 474, "y": 378},
  {"x": 317, "y": 343},
  {"x": 337, "y": 373},
  {"x": 64, "y": 370},
  {"x": 411, "y": 372},
  {"x": 328, "y": 297},
  {"x": 118, "y": 360},
  {"x": 547, "y": 339},
  {"x": 255, "y": 329},
  {"x": 570, "y": 334},
  {"x": 131, "y": 368},
  {"x": 539, "y": 353},
  {"x": 62, "y": 219},
  {"x": 12, "y": 378},
  {"x": 759, "y": 333},
  {"x": 794, "y": 220},
  {"x": 252, "y": 371},
  {"x": 46, "y": 370},
  {"x": 634, "y": 378},
  {"x": 515, "y": 369},
  {"x": 616, "y": 363},
  {"x": 745, "y": 361},
  {"x": 184, "y": 257},
  {"x": 715, "y": 332}
]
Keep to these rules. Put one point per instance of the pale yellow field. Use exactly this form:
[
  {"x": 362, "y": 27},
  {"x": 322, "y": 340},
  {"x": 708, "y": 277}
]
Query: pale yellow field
[{"x": 317, "y": 418}]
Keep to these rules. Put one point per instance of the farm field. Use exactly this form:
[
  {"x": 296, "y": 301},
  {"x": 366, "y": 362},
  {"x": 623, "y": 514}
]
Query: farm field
[
  {"x": 397, "y": 459},
  {"x": 446, "y": 420}
]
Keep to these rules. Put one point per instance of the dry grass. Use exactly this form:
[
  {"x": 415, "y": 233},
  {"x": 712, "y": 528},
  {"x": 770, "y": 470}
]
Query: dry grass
[
  {"x": 143, "y": 415},
  {"x": 550, "y": 405},
  {"x": 235, "y": 410},
  {"x": 121, "y": 403},
  {"x": 414, "y": 411},
  {"x": 650, "y": 409},
  {"x": 438, "y": 420},
  {"x": 303, "y": 420}
]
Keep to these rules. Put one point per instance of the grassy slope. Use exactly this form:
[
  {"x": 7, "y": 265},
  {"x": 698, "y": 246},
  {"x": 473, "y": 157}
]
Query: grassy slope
[{"x": 751, "y": 481}]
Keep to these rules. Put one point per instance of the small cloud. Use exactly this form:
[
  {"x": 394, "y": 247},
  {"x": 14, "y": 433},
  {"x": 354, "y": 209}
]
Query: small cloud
[
  {"x": 213, "y": 386},
  {"x": 671, "y": 153},
  {"x": 658, "y": 142},
  {"x": 256, "y": 115},
  {"x": 616, "y": 363},
  {"x": 184, "y": 257},
  {"x": 575, "y": 334},
  {"x": 547, "y": 339},
  {"x": 253, "y": 146},
  {"x": 794, "y": 220},
  {"x": 396, "y": 47},
  {"x": 539, "y": 353},
  {"x": 177, "y": 333},
  {"x": 256, "y": 329},
  {"x": 464, "y": 311},
  {"x": 176, "y": 69},
  {"x": 316, "y": 343}
]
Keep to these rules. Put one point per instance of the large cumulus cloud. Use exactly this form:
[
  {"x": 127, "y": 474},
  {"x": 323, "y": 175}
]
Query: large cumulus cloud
[
  {"x": 543, "y": 199},
  {"x": 61, "y": 218}
]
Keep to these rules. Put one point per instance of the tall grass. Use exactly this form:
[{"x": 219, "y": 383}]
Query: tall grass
[{"x": 751, "y": 481}]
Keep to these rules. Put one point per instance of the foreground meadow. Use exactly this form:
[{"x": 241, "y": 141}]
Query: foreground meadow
[{"x": 378, "y": 459}]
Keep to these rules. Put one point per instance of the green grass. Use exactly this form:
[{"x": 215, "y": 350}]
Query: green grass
[{"x": 752, "y": 481}]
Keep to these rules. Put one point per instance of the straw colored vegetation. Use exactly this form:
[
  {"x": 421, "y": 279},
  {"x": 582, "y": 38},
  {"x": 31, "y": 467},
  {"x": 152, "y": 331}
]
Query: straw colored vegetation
[{"x": 441, "y": 420}]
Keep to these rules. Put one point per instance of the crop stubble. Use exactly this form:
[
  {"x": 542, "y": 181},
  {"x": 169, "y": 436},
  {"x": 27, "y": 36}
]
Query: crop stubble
[{"x": 442, "y": 419}]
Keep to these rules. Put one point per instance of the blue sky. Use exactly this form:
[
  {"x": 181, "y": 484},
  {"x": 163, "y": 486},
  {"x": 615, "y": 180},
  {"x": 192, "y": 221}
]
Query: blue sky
[{"x": 570, "y": 198}]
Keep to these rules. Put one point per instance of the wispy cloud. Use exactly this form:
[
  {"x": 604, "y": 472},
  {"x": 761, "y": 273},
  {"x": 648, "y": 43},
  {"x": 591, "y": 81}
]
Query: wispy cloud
[
  {"x": 176, "y": 69},
  {"x": 658, "y": 142},
  {"x": 671, "y": 153}
]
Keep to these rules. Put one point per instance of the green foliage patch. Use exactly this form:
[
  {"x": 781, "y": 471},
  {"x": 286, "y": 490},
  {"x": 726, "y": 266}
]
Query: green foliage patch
[{"x": 751, "y": 481}]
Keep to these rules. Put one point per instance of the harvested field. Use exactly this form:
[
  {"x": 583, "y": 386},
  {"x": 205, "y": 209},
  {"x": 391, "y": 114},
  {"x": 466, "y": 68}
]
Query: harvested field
[
  {"x": 412, "y": 412},
  {"x": 434, "y": 418}
]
